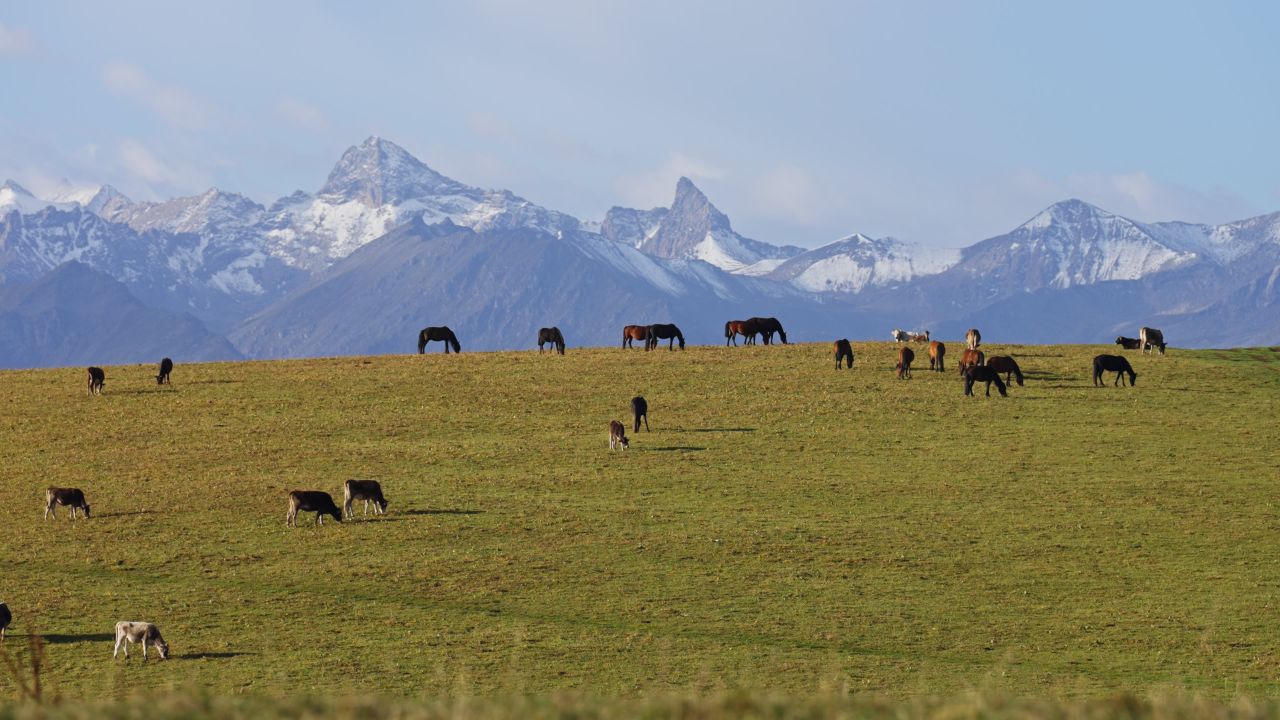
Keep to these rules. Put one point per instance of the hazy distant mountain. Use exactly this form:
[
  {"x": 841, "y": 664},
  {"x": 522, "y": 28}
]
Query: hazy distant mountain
[
  {"x": 75, "y": 315},
  {"x": 851, "y": 264}
]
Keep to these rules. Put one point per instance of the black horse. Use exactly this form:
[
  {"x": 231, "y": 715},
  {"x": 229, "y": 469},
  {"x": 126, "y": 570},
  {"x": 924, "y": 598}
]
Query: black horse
[
  {"x": 843, "y": 352},
  {"x": 767, "y": 327},
  {"x": 982, "y": 373},
  {"x": 1116, "y": 364},
  {"x": 664, "y": 332},
  {"x": 640, "y": 410},
  {"x": 438, "y": 333},
  {"x": 553, "y": 336},
  {"x": 166, "y": 367}
]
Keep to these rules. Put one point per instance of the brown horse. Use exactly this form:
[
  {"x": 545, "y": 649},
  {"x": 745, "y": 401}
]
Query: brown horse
[
  {"x": 843, "y": 352},
  {"x": 937, "y": 351},
  {"x": 746, "y": 328},
  {"x": 921, "y": 337},
  {"x": 438, "y": 333},
  {"x": 972, "y": 358},
  {"x": 635, "y": 332},
  {"x": 1005, "y": 364},
  {"x": 905, "y": 356}
]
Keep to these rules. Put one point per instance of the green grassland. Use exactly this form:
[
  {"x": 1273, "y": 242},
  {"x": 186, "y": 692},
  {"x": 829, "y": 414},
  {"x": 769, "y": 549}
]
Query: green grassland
[{"x": 786, "y": 527}]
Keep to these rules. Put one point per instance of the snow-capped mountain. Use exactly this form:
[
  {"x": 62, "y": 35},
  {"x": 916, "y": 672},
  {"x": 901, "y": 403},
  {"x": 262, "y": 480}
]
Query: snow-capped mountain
[
  {"x": 856, "y": 262},
  {"x": 378, "y": 185},
  {"x": 15, "y": 198},
  {"x": 692, "y": 228}
]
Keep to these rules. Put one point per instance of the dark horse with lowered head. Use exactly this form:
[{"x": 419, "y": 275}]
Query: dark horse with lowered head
[
  {"x": 1007, "y": 365},
  {"x": 438, "y": 333},
  {"x": 664, "y": 332},
  {"x": 553, "y": 336},
  {"x": 767, "y": 327},
  {"x": 635, "y": 332},
  {"x": 983, "y": 373},
  {"x": 1116, "y": 364},
  {"x": 844, "y": 352}
]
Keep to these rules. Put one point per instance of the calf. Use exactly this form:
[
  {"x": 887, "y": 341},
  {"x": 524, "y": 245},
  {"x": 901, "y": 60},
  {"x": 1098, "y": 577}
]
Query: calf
[
  {"x": 640, "y": 410},
  {"x": 166, "y": 367},
  {"x": 97, "y": 379},
  {"x": 6, "y": 617},
  {"x": 905, "y": 356},
  {"x": 983, "y": 373},
  {"x": 71, "y": 497},
  {"x": 128, "y": 632},
  {"x": 1128, "y": 343},
  {"x": 617, "y": 436},
  {"x": 366, "y": 490},
  {"x": 316, "y": 501},
  {"x": 844, "y": 353}
]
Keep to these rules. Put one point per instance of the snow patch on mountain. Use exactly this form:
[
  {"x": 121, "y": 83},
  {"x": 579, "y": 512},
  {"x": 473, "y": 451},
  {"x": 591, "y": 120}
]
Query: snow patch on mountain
[{"x": 856, "y": 262}]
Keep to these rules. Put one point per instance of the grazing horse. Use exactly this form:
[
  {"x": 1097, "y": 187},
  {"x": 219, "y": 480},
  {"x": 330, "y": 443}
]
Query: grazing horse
[
  {"x": 438, "y": 333},
  {"x": 1116, "y": 364},
  {"x": 748, "y": 329},
  {"x": 639, "y": 411},
  {"x": 97, "y": 379},
  {"x": 553, "y": 336},
  {"x": 1007, "y": 365},
  {"x": 905, "y": 356},
  {"x": 767, "y": 326},
  {"x": 983, "y": 373},
  {"x": 635, "y": 332},
  {"x": 1150, "y": 339},
  {"x": 920, "y": 337},
  {"x": 937, "y": 351},
  {"x": 664, "y": 332},
  {"x": 843, "y": 352},
  {"x": 899, "y": 335},
  {"x": 972, "y": 339},
  {"x": 972, "y": 358},
  {"x": 1128, "y": 343},
  {"x": 166, "y": 367}
]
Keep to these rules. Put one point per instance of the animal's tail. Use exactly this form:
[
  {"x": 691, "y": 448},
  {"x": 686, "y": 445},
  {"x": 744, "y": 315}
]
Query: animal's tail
[{"x": 727, "y": 331}]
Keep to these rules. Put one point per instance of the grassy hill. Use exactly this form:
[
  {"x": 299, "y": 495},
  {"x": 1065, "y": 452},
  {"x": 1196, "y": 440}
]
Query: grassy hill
[{"x": 785, "y": 526}]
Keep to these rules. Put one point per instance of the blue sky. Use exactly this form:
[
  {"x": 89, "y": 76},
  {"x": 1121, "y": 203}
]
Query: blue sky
[{"x": 943, "y": 123}]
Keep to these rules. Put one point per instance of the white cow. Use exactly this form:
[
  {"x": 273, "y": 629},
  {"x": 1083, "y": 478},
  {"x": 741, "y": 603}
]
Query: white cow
[{"x": 128, "y": 632}]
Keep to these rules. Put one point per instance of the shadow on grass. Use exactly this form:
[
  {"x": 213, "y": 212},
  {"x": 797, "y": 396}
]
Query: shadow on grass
[
  {"x": 69, "y": 639},
  {"x": 678, "y": 448},
  {"x": 441, "y": 512},
  {"x": 212, "y": 655},
  {"x": 711, "y": 430},
  {"x": 125, "y": 514}
]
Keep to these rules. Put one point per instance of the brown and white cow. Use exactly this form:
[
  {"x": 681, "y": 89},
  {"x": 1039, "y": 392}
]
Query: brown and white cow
[
  {"x": 70, "y": 497},
  {"x": 129, "y": 632}
]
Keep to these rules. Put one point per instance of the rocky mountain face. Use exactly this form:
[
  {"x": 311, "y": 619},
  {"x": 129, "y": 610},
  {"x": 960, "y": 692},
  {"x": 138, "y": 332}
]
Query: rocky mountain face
[{"x": 388, "y": 245}]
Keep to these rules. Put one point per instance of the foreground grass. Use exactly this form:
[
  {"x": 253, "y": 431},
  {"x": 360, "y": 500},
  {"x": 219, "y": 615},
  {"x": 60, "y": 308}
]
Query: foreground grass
[{"x": 785, "y": 526}]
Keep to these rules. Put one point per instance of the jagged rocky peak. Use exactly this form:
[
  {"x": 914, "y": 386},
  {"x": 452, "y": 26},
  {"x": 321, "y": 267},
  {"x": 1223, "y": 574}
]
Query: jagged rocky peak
[
  {"x": 630, "y": 226},
  {"x": 378, "y": 172}
]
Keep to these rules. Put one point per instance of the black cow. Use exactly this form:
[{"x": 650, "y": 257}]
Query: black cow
[
  {"x": 316, "y": 501},
  {"x": 366, "y": 490},
  {"x": 70, "y": 497},
  {"x": 97, "y": 379}
]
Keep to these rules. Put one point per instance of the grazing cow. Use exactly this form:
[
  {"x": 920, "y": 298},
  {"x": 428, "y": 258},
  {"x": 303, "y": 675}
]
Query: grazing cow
[
  {"x": 665, "y": 332},
  {"x": 1150, "y": 339},
  {"x": 1126, "y": 343},
  {"x": 635, "y": 332},
  {"x": 617, "y": 436},
  {"x": 366, "y": 490},
  {"x": 97, "y": 379},
  {"x": 1116, "y": 364},
  {"x": 70, "y": 497},
  {"x": 971, "y": 358},
  {"x": 843, "y": 352},
  {"x": 553, "y": 336},
  {"x": 639, "y": 411},
  {"x": 166, "y": 367},
  {"x": 442, "y": 333},
  {"x": 6, "y": 617},
  {"x": 905, "y": 356},
  {"x": 972, "y": 339},
  {"x": 937, "y": 351},
  {"x": 767, "y": 326},
  {"x": 920, "y": 337},
  {"x": 1007, "y": 365},
  {"x": 983, "y": 373},
  {"x": 316, "y": 501},
  {"x": 128, "y": 632}
]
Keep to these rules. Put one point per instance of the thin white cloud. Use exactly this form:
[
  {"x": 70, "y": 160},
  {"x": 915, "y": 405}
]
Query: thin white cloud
[
  {"x": 17, "y": 42},
  {"x": 656, "y": 187},
  {"x": 172, "y": 104},
  {"x": 790, "y": 193},
  {"x": 301, "y": 115},
  {"x": 162, "y": 175}
]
